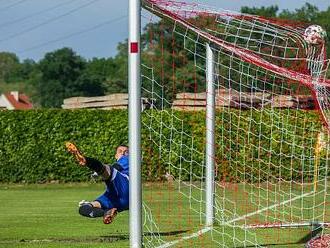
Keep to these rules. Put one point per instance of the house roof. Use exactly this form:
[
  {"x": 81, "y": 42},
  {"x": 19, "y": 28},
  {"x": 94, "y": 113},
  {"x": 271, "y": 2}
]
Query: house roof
[{"x": 22, "y": 103}]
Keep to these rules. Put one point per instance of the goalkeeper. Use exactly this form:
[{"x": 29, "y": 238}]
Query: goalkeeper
[{"x": 116, "y": 178}]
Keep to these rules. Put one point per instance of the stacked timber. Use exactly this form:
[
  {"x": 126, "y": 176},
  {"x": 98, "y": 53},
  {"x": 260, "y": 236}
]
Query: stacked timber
[
  {"x": 114, "y": 101},
  {"x": 242, "y": 100}
]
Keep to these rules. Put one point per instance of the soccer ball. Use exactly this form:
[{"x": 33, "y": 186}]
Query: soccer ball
[{"x": 315, "y": 35}]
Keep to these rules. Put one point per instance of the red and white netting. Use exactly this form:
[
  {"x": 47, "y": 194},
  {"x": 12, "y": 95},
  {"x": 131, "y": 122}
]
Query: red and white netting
[{"x": 272, "y": 123}]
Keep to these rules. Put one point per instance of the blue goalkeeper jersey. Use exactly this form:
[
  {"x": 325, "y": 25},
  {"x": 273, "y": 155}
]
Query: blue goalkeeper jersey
[
  {"x": 117, "y": 193},
  {"x": 124, "y": 164}
]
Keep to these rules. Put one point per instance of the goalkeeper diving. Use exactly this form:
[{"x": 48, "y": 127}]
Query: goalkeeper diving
[{"x": 116, "y": 178}]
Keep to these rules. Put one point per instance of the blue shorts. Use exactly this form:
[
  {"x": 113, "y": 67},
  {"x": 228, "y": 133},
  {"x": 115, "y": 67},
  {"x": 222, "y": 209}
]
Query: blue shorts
[{"x": 117, "y": 193}]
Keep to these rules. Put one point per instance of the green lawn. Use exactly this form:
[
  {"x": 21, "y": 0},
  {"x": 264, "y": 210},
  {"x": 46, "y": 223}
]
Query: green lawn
[{"x": 46, "y": 216}]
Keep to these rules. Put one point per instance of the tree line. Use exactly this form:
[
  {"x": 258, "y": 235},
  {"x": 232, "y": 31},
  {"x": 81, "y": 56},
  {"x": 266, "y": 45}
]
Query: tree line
[{"x": 64, "y": 73}]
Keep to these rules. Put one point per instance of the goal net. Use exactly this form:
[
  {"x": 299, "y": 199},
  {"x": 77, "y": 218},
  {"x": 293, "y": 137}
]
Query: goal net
[{"x": 271, "y": 128}]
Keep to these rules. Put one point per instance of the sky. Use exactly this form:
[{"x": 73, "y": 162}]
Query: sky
[{"x": 93, "y": 28}]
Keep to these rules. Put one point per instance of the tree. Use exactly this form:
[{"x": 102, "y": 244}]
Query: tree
[
  {"x": 117, "y": 79},
  {"x": 270, "y": 11},
  {"x": 27, "y": 68},
  {"x": 308, "y": 13},
  {"x": 101, "y": 67},
  {"x": 63, "y": 76},
  {"x": 9, "y": 66},
  {"x": 88, "y": 85},
  {"x": 112, "y": 71}
]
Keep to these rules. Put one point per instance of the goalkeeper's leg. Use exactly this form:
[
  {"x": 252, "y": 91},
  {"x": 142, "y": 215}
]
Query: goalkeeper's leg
[
  {"x": 94, "y": 209},
  {"x": 73, "y": 149},
  {"x": 91, "y": 209},
  {"x": 107, "y": 202}
]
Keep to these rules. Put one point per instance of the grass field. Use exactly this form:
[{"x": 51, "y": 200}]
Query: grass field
[{"x": 46, "y": 216}]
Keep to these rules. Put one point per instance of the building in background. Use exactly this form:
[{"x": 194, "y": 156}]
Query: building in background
[{"x": 15, "y": 101}]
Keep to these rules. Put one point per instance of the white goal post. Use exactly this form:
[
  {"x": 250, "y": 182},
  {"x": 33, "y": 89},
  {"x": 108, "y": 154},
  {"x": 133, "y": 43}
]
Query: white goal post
[
  {"x": 135, "y": 129},
  {"x": 134, "y": 81}
]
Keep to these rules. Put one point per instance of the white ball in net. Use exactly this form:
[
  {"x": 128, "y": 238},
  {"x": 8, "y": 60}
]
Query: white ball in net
[{"x": 315, "y": 35}]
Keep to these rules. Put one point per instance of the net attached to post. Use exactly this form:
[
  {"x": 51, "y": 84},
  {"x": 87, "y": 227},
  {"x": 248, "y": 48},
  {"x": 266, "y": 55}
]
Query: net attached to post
[{"x": 272, "y": 123}]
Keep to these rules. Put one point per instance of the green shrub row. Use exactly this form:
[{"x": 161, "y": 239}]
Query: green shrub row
[
  {"x": 250, "y": 145},
  {"x": 32, "y": 142}
]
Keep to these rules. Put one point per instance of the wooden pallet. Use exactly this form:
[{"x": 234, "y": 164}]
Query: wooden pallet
[{"x": 114, "y": 101}]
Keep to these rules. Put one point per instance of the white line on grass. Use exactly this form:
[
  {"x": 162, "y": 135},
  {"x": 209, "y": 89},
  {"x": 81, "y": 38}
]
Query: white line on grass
[
  {"x": 267, "y": 208},
  {"x": 194, "y": 235}
]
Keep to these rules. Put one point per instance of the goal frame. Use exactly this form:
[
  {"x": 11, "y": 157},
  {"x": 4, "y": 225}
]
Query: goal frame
[{"x": 134, "y": 82}]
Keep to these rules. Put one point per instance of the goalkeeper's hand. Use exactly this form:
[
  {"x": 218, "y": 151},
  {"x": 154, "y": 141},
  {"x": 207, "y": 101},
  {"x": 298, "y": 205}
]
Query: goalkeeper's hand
[{"x": 83, "y": 202}]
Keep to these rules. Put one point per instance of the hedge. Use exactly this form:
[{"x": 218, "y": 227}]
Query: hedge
[{"x": 32, "y": 144}]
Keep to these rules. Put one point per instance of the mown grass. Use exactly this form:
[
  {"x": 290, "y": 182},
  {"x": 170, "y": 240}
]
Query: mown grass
[{"x": 34, "y": 216}]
